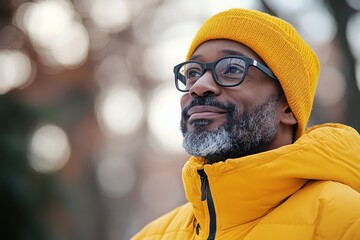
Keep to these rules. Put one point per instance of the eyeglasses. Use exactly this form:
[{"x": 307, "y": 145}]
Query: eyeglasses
[{"x": 228, "y": 71}]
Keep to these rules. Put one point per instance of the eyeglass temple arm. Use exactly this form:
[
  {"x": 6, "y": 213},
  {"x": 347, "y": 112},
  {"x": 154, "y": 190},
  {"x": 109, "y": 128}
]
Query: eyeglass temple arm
[
  {"x": 181, "y": 78},
  {"x": 264, "y": 69}
]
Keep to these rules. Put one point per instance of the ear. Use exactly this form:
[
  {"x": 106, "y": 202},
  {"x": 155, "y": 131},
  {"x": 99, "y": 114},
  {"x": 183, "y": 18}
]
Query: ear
[{"x": 286, "y": 115}]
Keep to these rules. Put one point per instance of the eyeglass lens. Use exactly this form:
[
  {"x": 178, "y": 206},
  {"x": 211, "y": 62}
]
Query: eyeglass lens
[{"x": 227, "y": 71}]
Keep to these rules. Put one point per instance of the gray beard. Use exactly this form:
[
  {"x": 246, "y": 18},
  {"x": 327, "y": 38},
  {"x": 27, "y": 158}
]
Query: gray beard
[{"x": 241, "y": 134}]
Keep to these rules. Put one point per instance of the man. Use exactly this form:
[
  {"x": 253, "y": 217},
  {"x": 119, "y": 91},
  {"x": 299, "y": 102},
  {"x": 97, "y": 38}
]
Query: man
[{"x": 255, "y": 173}]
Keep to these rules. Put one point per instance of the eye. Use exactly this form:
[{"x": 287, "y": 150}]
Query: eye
[
  {"x": 193, "y": 73},
  {"x": 233, "y": 69},
  {"x": 230, "y": 69}
]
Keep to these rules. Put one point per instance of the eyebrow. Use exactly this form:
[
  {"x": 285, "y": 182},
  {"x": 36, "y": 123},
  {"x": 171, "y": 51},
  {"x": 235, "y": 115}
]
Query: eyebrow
[
  {"x": 233, "y": 52},
  {"x": 226, "y": 51}
]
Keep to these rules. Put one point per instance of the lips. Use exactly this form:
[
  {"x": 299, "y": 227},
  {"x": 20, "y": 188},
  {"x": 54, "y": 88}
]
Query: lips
[{"x": 204, "y": 112}]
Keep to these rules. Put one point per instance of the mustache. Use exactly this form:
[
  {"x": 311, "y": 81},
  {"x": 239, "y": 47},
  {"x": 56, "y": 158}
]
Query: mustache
[{"x": 207, "y": 101}]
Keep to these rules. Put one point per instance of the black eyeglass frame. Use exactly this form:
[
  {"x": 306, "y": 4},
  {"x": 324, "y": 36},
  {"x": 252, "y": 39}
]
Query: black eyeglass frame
[{"x": 211, "y": 65}]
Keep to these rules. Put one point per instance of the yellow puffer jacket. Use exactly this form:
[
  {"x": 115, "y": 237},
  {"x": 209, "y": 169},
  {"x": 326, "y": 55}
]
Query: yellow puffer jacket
[{"x": 306, "y": 190}]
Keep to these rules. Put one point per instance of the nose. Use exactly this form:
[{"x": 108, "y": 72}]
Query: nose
[{"x": 205, "y": 86}]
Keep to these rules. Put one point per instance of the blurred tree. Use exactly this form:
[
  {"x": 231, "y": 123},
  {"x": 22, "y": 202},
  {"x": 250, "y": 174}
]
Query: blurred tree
[
  {"x": 342, "y": 13},
  {"x": 25, "y": 196}
]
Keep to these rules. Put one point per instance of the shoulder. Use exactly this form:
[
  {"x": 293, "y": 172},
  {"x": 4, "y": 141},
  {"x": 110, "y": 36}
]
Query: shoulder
[
  {"x": 332, "y": 131},
  {"x": 319, "y": 210},
  {"x": 177, "y": 224},
  {"x": 326, "y": 190},
  {"x": 327, "y": 200},
  {"x": 338, "y": 210},
  {"x": 332, "y": 209},
  {"x": 332, "y": 198}
]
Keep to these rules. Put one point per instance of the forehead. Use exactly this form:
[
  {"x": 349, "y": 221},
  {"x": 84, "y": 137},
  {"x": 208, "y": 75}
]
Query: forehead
[{"x": 213, "y": 49}]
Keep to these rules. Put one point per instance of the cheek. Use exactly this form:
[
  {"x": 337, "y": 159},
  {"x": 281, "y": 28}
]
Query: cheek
[
  {"x": 249, "y": 97},
  {"x": 240, "y": 97}
]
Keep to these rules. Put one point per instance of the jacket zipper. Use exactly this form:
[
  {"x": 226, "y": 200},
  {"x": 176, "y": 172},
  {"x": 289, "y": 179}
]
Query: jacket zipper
[{"x": 206, "y": 195}]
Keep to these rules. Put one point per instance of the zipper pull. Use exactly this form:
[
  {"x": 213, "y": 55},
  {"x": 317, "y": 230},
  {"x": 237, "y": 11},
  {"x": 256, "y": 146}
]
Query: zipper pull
[
  {"x": 203, "y": 179},
  {"x": 197, "y": 229}
]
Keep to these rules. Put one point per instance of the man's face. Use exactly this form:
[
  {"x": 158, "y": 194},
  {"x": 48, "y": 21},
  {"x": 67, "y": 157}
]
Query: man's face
[{"x": 228, "y": 122}]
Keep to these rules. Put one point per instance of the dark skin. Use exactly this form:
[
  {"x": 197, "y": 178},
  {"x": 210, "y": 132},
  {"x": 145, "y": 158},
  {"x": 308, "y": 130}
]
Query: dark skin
[{"x": 253, "y": 91}]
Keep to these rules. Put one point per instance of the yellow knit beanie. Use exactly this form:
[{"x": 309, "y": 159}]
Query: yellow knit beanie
[{"x": 279, "y": 45}]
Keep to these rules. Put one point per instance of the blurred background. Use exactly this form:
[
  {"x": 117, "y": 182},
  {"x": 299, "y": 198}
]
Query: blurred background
[{"x": 90, "y": 146}]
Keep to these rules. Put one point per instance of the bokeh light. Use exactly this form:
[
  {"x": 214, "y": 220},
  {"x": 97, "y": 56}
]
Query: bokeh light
[
  {"x": 160, "y": 58},
  {"x": 59, "y": 38},
  {"x": 71, "y": 48},
  {"x": 331, "y": 87},
  {"x": 98, "y": 38},
  {"x": 285, "y": 7},
  {"x": 18, "y": 18},
  {"x": 49, "y": 149},
  {"x": 16, "y": 70},
  {"x": 317, "y": 26},
  {"x": 120, "y": 110},
  {"x": 357, "y": 74},
  {"x": 353, "y": 34},
  {"x": 165, "y": 20},
  {"x": 164, "y": 117},
  {"x": 110, "y": 15},
  {"x": 116, "y": 176},
  {"x": 218, "y": 6},
  {"x": 12, "y": 37},
  {"x": 47, "y": 20},
  {"x": 354, "y": 4}
]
